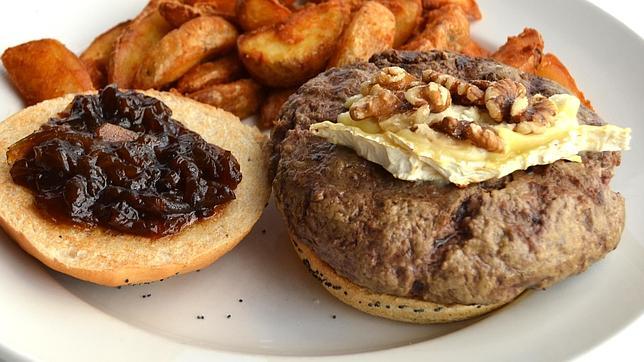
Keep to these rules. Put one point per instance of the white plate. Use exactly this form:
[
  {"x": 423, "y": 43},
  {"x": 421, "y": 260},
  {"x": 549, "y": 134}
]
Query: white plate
[{"x": 48, "y": 316}]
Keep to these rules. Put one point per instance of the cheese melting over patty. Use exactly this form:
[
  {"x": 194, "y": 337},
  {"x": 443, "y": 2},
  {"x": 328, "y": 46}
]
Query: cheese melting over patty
[{"x": 411, "y": 150}]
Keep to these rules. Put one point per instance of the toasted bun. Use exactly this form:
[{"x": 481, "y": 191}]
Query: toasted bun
[
  {"x": 384, "y": 305},
  {"x": 105, "y": 257}
]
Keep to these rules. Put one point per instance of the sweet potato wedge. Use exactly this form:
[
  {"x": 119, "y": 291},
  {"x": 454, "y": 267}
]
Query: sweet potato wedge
[
  {"x": 223, "y": 70},
  {"x": 552, "y": 68},
  {"x": 470, "y": 7},
  {"x": 97, "y": 54},
  {"x": 241, "y": 98},
  {"x": 270, "y": 108},
  {"x": 183, "y": 48},
  {"x": 45, "y": 69},
  {"x": 287, "y": 54},
  {"x": 371, "y": 30},
  {"x": 446, "y": 28},
  {"x": 408, "y": 14},
  {"x": 523, "y": 51},
  {"x": 132, "y": 46},
  {"x": 254, "y": 14}
]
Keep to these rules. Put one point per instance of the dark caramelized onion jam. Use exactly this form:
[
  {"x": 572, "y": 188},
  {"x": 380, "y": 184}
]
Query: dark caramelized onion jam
[{"x": 119, "y": 160}]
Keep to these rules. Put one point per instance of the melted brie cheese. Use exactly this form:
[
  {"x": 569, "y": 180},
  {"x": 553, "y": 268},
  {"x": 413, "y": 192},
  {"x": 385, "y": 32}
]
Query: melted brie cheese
[{"x": 424, "y": 154}]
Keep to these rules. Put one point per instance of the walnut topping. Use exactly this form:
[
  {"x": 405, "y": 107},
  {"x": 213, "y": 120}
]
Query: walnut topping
[
  {"x": 380, "y": 103},
  {"x": 465, "y": 92},
  {"x": 479, "y": 136},
  {"x": 539, "y": 113},
  {"x": 395, "y": 78},
  {"x": 500, "y": 97},
  {"x": 433, "y": 94}
]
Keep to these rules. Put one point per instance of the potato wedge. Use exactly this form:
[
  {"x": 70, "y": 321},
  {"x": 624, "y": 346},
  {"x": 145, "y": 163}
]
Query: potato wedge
[
  {"x": 270, "y": 108},
  {"x": 290, "y": 53},
  {"x": 254, "y": 14},
  {"x": 552, "y": 68},
  {"x": 223, "y": 70},
  {"x": 97, "y": 54},
  {"x": 223, "y": 8},
  {"x": 177, "y": 13},
  {"x": 523, "y": 51},
  {"x": 132, "y": 46},
  {"x": 470, "y": 7},
  {"x": 408, "y": 15},
  {"x": 183, "y": 48},
  {"x": 446, "y": 28},
  {"x": 473, "y": 49},
  {"x": 45, "y": 69},
  {"x": 241, "y": 98},
  {"x": 371, "y": 30}
]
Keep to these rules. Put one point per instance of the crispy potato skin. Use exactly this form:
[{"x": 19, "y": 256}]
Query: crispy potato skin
[
  {"x": 177, "y": 13},
  {"x": 45, "y": 69},
  {"x": 183, "y": 48},
  {"x": 97, "y": 54},
  {"x": 132, "y": 46},
  {"x": 223, "y": 70},
  {"x": 371, "y": 30},
  {"x": 474, "y": 49},
  {"x": 447, "y": 28},
  {"x": 223, "y": 8},
  {"x": 270, "y": 108},
  {"x": 408, "y": 14},
  {"x": 470, "y": 7},
  {"x": 552, "y": 68},
  {"x": 254, "y": 14},
  {"x": 287, "y": 54},
  {"x": 523, "y": 51},
  {"x": 241, "y": 98}
]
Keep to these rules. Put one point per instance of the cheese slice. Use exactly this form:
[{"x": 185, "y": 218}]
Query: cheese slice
[{"x": 419, "y": 153}]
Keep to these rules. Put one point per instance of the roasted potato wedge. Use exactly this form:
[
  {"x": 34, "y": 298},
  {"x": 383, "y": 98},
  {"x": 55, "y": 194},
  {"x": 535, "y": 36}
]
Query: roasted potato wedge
[
  {"x": 270, "y": 108},
  {"x": 224, "y": 8},
  {"x": 132, "y": 46},
  {"x": 177, "y": 13},
  {"x": 287, "y": 54},
  {"x": 552, "y": 68},
  {"x": 446, "y": 28},
  {"x": 241, "y": 98},
  {"x": 408, "y": 15},
  {"x": 254, "y": 14},
  {"x": 223, "y": 70},
  {"x": 523, "y": 51},
  {"x": 183, "y": 48},
  {"x": 473, "y": 49},
  {"x": 371, "y": 30},
  {"x": 97, "y": 54},
  {"x": 470, "y": 7},
  {"x": 45, "y": 69}
]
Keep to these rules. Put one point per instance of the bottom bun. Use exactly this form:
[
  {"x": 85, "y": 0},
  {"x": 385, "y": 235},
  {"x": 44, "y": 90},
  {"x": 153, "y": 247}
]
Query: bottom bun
[
  {"x": 384, "y": 305},
  {"x": 110, "y": 258}
]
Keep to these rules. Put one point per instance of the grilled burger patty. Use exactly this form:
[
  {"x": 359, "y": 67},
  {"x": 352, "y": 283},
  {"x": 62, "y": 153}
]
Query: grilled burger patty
[{"x": 482, "y": 244}]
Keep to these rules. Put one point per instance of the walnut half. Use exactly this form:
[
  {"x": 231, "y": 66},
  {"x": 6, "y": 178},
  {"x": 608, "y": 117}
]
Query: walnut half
[
  {"x": 379, "y": 104},
  {"x": 481, "y": 137},
  {"x": 433, "y": 94},
  {"x": 462, "y": 91},
  {"x": 501, "y": 96},
  {"x": 539, "y": 114}
]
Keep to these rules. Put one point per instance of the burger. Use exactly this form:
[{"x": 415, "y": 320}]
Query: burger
[{"x": 431, "y": 187}]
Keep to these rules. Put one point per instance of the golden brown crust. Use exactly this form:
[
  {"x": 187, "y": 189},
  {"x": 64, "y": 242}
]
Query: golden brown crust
[
  {"x": 108, "y": 258},
  {"x": 383, "y": 305}
]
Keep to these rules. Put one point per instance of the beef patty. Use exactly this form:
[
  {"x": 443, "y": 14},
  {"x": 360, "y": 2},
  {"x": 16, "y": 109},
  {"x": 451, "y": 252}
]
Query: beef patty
[{"x": 482, "y": 244}]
